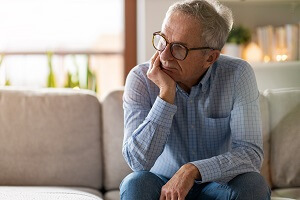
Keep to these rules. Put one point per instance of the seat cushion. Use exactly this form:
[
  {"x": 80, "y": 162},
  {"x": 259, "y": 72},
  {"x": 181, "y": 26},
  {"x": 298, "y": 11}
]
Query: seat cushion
[
  {"x": 48, "y": 193},
  {"x": 50, "y": 137},
  {"x": 284, "y": 108},
  {"x": 112, "y": 195},
  {"x": 291, "y": 193}
]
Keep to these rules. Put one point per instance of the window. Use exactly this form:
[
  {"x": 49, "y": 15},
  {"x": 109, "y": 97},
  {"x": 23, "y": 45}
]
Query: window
[{"x": 41, "y": 38}]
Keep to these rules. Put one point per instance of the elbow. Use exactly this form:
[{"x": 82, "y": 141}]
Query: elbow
[
  {"x": 135, "y": 162},
  {"x": 140, "y": 168},
  {"x": 256, "y": 157}
]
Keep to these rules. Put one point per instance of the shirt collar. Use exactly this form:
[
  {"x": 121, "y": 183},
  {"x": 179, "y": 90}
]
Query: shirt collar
[{"x": 204, "y": 81}]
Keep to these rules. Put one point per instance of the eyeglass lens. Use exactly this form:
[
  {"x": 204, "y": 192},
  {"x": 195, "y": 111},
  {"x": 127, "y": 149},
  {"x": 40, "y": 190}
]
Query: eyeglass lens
[
  {"x": 177, "y": 50},
  {"x": 159, "y": 43}
]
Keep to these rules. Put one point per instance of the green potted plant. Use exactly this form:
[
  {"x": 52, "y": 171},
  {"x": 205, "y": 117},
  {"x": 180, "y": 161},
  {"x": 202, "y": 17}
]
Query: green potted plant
[
  {"x": 73, "y": 77},
  {"x": 51, "y": 76},
  {"x": 91, "y": 79},
  {"x": 5, "y": 81},
  {"x": 238, "y": 37}
]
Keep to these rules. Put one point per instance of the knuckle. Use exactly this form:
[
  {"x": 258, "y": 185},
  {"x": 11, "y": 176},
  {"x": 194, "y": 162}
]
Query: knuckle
[{"x": 149, "y": 75}]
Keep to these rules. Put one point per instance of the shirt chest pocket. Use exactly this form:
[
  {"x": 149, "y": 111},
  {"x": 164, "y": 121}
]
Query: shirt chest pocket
[{"x": 216, "y": 132}]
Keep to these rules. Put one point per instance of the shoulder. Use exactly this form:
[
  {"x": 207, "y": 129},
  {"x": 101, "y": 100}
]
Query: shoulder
[
  {"x": 233, "y": 64},
  {"x": 137, "y": 78},
  {"x": 232, "y": 68},
  {"x": 139, "y": 70},
  {"x": 138, "y": 74}
]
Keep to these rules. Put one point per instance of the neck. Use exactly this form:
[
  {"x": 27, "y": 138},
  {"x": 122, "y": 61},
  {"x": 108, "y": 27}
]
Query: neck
[{"x": 188, "y": 85}]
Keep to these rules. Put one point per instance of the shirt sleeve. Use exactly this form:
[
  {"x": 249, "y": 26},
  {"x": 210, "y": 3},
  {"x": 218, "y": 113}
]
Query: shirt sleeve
[
  {"x": 146, "y": 126},
  {"x": 246, "y": 152}
]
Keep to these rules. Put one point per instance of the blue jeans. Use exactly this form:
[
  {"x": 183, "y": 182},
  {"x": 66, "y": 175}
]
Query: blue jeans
[{"x": 145, "y": 185}]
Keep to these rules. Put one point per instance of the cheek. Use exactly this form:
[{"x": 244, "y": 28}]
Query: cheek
[
  {"x": 187, "y": 68},
  {"x": 191, "y": 69}
]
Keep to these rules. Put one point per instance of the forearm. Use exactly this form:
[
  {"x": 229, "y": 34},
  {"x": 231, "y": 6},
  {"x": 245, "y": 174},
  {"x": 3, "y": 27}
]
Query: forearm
[
  {"x": 224, "y": 167},
  {"x": 143, "y": 145}
]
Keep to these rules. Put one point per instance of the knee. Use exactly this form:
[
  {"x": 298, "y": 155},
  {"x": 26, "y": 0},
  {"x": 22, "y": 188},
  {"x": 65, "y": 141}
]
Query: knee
[
  {"x": 136, "y": 179},
  {"x": 250, "y": 185},
  {"x": 141, "y": 183}
]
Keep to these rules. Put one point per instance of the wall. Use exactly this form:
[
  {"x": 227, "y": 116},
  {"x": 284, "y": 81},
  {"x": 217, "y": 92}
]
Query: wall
[
  {"x": 150, "y": 14},
  {"x": 251, "y": 13}
]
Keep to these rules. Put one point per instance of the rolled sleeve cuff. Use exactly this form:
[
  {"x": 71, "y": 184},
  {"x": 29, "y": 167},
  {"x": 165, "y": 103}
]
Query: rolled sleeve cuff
[
  {"x": 162, "y": 113},
  {"x": 209, "y": 170}
]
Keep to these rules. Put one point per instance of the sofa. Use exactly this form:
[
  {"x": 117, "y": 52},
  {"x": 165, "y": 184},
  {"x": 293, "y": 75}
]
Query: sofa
[
  {"x": 66, "y": 144},
  {"x": 276, "y": 74}
]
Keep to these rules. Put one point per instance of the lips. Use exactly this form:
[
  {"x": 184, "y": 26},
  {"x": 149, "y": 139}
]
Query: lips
[{"x": 167, "y": 67}]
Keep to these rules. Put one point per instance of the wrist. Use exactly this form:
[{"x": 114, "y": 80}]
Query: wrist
[
  {"x": 168, "y": 94},
  {"x": 193, "y": 171}
]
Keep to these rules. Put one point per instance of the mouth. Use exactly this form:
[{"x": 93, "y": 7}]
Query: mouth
[{"x": 168, "y": 68}]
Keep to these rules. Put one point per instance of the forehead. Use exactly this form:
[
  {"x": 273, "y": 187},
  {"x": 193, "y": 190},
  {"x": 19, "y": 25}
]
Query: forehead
[{"x": 182, "y": 28}]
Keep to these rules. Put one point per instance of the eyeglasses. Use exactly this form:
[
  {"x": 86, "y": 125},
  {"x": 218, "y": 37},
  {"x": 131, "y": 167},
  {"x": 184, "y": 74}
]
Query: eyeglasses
[{"x": 178, "y": 51}]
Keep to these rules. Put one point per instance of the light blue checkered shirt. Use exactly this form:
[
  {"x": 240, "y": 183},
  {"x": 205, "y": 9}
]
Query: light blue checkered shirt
[{"x": 216, "y": 127}]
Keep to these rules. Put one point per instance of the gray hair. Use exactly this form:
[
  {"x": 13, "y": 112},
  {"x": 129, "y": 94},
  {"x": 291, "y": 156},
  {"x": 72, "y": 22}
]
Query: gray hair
[{"x": 215, "y": 18}]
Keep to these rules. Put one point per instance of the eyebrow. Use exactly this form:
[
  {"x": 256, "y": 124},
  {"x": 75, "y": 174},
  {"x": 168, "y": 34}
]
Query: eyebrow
[{"x": 182, "y": 43}]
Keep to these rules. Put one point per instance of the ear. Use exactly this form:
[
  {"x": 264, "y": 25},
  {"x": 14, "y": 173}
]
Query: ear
[{"x": 212, "y": 56}]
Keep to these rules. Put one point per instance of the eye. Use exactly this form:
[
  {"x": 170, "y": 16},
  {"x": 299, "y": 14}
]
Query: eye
[
  {"x": 178, "y": 51},
  {"x": 159, "y": 42}
]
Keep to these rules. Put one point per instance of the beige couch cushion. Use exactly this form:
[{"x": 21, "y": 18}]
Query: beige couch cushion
[
  {"x": 284, "y": 107},
  {"x": 265, "y": 170},
  {"x": 48, "y": 193},
  {"x": 292, "y": 193},
  {"x": 115, "y": 167},
  {"x": 50, "y": 137},
  {"x": 112, "y": 195}
]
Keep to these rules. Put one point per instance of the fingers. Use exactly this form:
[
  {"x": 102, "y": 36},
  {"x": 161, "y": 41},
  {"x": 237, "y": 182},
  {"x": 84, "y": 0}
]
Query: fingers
[
  {"x": 155, "y": 63},
  {"x": 153, "y": 59},
  {"x": 169, "y": 195},
  {"x": 174, "y": 196},
  {"x": 162, "y": 196}
]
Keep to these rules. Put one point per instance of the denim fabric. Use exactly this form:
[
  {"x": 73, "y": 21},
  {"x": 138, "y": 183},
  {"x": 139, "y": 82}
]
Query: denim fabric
[{"x": 147, "y": 186}]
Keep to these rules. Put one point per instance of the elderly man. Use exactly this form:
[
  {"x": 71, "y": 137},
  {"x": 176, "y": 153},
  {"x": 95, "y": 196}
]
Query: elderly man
[{"x": 192, "y": 120}]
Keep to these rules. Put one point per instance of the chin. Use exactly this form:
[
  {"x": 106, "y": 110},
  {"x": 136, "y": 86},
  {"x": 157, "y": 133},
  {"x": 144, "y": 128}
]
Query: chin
[{"x": 173, "y": 74}]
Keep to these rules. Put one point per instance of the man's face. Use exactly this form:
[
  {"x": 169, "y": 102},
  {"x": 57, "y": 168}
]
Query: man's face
[{"x": 184, "y": 29}]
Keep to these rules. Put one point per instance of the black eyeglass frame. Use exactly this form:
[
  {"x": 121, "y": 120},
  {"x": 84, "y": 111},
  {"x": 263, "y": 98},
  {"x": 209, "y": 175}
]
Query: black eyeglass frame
[{"x": 174, "y": 43}]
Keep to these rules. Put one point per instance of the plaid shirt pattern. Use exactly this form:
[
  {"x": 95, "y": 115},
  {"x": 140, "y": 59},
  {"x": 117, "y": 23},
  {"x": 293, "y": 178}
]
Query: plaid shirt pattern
[{"x": 216, "y": 126}]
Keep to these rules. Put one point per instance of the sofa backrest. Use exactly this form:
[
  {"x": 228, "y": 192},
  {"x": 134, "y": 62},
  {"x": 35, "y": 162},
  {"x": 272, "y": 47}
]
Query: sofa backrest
[
  {"x": 277, "y": 75},
  {"x": 50, "y": 137},
  {"x": 284, "y": 112},
  {"x": 115, "y": 167},
  {"x": 66, "y": 137},
  {"x": 264, "y": 111},
  {"x": 274, "y": 106}
]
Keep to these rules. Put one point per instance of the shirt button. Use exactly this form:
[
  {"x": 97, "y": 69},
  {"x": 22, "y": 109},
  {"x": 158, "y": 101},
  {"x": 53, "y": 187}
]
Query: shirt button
[{"x": 192, "y": 126}]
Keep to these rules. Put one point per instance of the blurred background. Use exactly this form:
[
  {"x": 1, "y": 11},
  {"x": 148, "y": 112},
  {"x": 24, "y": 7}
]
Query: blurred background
[
  {"x": 62, "y": 43},
  {"x": 93, "y": 44}
]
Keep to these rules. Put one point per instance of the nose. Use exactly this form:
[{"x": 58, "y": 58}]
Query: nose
[{"x": 166, "y": 55}]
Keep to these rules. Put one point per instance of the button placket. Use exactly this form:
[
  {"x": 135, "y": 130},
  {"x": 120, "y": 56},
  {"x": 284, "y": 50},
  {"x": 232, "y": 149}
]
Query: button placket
[{"x": 191, "y": 128}]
